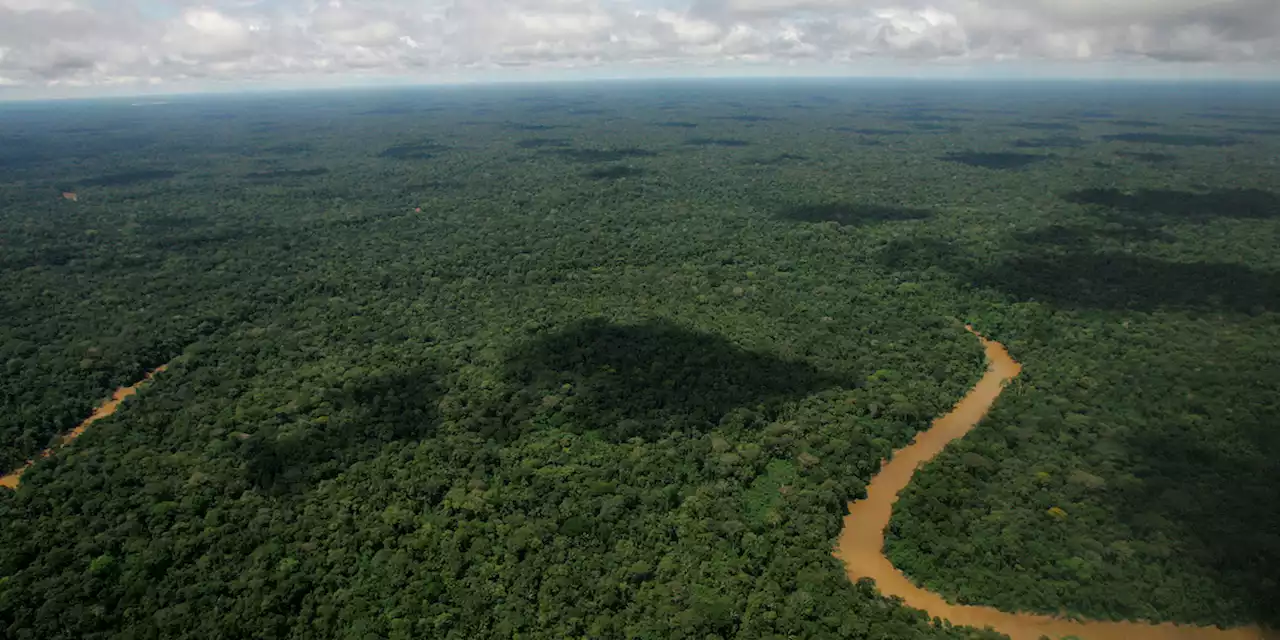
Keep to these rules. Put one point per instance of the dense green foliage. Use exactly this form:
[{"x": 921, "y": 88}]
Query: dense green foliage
[{"x": 621, "y": 372}]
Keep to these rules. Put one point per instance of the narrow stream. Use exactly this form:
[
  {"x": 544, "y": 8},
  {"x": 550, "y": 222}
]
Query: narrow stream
[
  {"x": 107, "y": 408},
  {"x": 861, "y": 542}
]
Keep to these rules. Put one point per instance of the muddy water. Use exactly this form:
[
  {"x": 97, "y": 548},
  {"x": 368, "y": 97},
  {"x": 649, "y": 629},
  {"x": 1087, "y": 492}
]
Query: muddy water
[
  {"x": 861, "y": 543},
  {"x": 107, "y": 408}
]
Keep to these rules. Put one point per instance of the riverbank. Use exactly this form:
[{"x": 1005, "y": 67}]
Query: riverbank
[
  {"x": 861, "y": 542},
  {"x": 107, "y": 408}
]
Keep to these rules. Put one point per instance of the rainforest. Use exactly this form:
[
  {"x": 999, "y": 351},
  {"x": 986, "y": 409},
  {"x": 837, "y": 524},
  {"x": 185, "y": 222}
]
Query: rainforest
[{"x": 613, "y": 360}]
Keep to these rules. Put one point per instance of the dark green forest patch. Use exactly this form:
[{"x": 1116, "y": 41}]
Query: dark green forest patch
[
  {"x": 1226, "y": 203},
  {"x": 1237, "y": 117},
  {"x": 167, "y": 222},
  {"x": 524, "y": 126},
  {"x": 603, "y": 155},
  {"x": 551, "y": 106},
  {"x": 1063, "y": 266},
  {"x": 1046, "y": 126},
  {"x": 1270, "y": 131},
  {"x": 286, "y": 173},
  {"x": 934, "y": 127},
  {"x": 716, "y": 142},
  {"x": 424, "y": 150},
  {"x": 1083, "y": 279},
  {"x": 1173, "y": 139},
  {"x": 1050, "y": 142},
  {"x": 1083, "y": 237},
  {"x": 399, "y": 110},
  {"x": 290, "y": 149},
  {"x": 924, "y": 119},
  {"x": 871, "y": 131},
  {"x": 821, "y": 99},
  {"x": 79, "y": 130},
  {"x": 614, "y": 173},
  {"x": 781, "y": 158},
  {"x": 194, "y": 239},
  {"x": 17, "y": 152},
  {"x": 129, "y": 177},
  {"x": 540, "y": 143},
  {"x": 1148, "y": 156},
  {"x": 1000, "y": 160},
  {"x": 443, "y": 185},
  {"x": 1140, "y": 124},
  {"x": 648, "y": 380},
  {"x": 922, "y": 254},
  {"x": 678, "y": 124},
  {"x": 849, "y": 214},
  {"x": 386, "y": 111},
  {"x": 366, "y": 415}
]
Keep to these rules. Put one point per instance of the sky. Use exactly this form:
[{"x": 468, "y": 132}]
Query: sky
[{"x": 64, "y": 48}]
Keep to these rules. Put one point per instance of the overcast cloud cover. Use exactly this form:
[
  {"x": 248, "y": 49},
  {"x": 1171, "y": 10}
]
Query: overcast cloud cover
[{"x": 52, "y": 46}]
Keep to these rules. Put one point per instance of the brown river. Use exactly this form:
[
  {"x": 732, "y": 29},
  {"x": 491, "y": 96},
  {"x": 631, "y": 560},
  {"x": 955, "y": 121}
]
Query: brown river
[
  {"x": 861, "y": 543},
  {"x": 107, "y": 408}
]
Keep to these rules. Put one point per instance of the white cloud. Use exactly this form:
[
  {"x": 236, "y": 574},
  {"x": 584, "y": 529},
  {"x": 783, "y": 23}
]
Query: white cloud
[{"x": 112, "y": 42}]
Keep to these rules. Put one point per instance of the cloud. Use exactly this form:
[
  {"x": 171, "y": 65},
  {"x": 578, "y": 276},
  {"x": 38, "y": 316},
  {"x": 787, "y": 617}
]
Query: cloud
[{"x": 108, "y": 42}]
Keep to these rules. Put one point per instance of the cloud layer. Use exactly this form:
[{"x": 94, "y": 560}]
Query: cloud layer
[{"x": 96, "y": 43}]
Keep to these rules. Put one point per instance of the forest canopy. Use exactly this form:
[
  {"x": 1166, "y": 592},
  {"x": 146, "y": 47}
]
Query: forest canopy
[{"x": 610, "y": 361}]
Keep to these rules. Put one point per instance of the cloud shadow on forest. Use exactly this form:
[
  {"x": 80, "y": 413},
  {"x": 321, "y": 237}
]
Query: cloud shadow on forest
[
  {"x": 1083, "y": 279},
  {"x": 775, "y": 160},
  {"x": 1060, "y": 267},
  {"x": 1229, "y": 502},
  {"x": 647, "y": 380},
  {"x": 290, "y": 149},
  {"x": 1258, "y": 131},
  {"x": 398, "y": 110},
  {"x": 614, "y": 173},
  {"x": 376, "y": 411},
  {"x": 603, "y": 155},
  {"x": 521, "y": 126},
  {"x": 1220, "y": 203},
  {"x": 1085, "y": 237},
  {"x": 424, "y": 150},
  {"x": 1003, "y": 161},
  {"x": 1046, "y": 126},
  {"x": 869, "y": 131},
  {"x": 286, "y": 173},
  {"x": 923, "y": 120},
  {"x": 129, "y": 178},
  {"x": 1148, "y": 156},
  {"x": 1050, "y": 142},
  {"x": 848, "y": 213},
  {"x": 1173, "y": 139},
  {"x": 1139, "y": 124},
  {"x": 542, "y": 143},
  {"x": 934, "y": 127},
  {"x": 716, "y": 142}
]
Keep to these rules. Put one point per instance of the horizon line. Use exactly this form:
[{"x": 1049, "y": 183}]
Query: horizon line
[{"x": 391, "y": 84}]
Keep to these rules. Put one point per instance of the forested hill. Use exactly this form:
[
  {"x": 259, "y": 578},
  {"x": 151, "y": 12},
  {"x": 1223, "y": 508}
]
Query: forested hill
[{"x": 572, "y": 361}]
